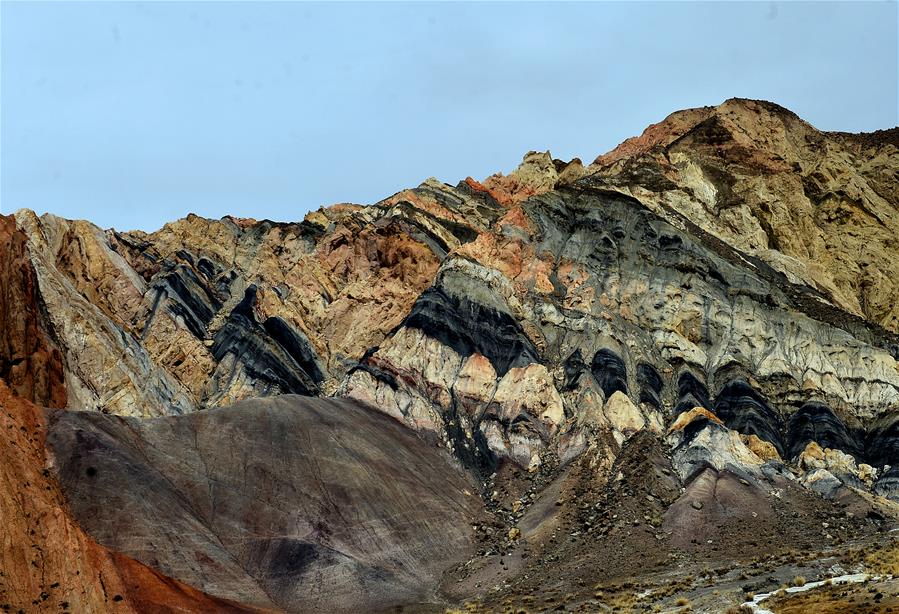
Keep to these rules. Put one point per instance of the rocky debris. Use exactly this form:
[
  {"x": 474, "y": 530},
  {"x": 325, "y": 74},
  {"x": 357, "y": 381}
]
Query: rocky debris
[
  {"x": 275, "y": 499},
  {"x": 822, "y": 482}
]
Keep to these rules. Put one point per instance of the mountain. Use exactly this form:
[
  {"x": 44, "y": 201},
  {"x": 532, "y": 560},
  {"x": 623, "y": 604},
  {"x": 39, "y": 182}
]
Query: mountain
[{"x": 552, "y": 387}]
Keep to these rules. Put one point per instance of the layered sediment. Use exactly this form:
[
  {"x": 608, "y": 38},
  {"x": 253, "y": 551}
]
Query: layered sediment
[{"x": 705, "y": 317}]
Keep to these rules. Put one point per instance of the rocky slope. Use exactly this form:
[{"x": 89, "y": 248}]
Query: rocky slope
[
  {"x": 290, "y": 503},
  {"x": 697, "y": 333},
  {"x": 48, "y": 563}
]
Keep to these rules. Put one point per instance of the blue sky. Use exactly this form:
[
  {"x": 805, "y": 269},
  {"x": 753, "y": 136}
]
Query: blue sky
[{"x": 132, "y": 115}]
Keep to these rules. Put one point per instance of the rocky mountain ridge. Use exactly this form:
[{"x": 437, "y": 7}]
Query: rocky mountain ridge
[{"x": 718, "y": 295}]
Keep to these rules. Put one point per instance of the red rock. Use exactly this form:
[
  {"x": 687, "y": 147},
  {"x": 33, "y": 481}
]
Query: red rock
[{"x": 29, "y": 361}]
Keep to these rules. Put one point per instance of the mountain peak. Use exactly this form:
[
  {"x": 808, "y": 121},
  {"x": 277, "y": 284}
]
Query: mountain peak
[{"x": 743, "y": 115}]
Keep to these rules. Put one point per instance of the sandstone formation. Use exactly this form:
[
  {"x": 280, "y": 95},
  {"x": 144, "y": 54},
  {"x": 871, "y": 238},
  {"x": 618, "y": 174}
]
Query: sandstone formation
[{"x": 688, "y": 348}]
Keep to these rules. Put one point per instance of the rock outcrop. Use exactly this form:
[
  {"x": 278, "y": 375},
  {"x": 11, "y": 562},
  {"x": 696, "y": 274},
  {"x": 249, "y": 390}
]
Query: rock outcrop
[
  {"x": 818, "y": 207},
  {"x": 30, "y": 362}
]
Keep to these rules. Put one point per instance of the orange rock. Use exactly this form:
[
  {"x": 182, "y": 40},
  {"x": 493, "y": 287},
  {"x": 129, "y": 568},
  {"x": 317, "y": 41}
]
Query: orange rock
[
  {"x": 517, "y": 218},
  {"x": 763, "y": 449},
  {"x": 689, "y": 416},
  {"x": 29, "y": 361},
  {"x": 812, "y": 457},
  {"x": 536, "y": 174}
]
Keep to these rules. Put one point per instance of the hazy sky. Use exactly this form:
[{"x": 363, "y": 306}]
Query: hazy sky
[{"x": 132, "y": 115}]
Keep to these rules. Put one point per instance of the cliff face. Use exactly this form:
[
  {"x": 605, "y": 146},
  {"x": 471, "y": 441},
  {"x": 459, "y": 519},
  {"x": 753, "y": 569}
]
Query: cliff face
[
  {"x": 717, "y": 299},
  {"x": 30, "y": 363},
  {"x": 819, "y": 207}
]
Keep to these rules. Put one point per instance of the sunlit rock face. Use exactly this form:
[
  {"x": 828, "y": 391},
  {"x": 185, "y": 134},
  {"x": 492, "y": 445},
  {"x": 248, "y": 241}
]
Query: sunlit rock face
[
  {"x": 619, "y": 297},
  {"x": 696, "y": 265},
  {"x": 818, "y": 207},
  {"x": 716, "y": 298}
]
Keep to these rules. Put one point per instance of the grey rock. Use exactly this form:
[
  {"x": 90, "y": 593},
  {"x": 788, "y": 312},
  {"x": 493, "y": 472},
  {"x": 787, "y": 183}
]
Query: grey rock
[{"x": 271, "y": 502}]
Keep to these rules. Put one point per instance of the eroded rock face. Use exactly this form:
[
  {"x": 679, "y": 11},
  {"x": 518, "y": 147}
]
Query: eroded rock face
[
  {"x": 820, "y": 207},
  {"x": 273, "y": 502},
  {"x": 717, "y": 296},
  {"x": 30, "y": 362},
  {"x": 205, "y": 312},
  {"x": 617, "y": 298},
  {"x": 640, "y": 275},
  {"x": 647, "y": 263}
]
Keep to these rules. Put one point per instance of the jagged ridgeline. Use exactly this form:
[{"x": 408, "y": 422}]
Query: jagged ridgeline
[{"x": 717, "y": 298}]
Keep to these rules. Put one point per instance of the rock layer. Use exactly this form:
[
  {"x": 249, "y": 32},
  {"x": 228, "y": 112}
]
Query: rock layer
[{"x": 707, "y": 313}]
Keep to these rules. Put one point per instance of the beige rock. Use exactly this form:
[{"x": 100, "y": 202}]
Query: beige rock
[
  {"x": 763, "y": 449},
  {"x": 535, "y": 175},
  {"x": 840, "y": 462},
  {"x": 812, "y": 457},
  {"x": 622, "y": 414},
  {"x": 530, "y": 390},
  {"x": 867, "y": 474},
  {"x": 475, "y": 383},
  {"x": 836, "y": 461}
]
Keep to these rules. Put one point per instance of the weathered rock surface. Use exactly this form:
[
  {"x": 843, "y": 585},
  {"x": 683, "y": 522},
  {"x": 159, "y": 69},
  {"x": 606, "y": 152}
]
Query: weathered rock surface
[
  {"x": 48, "y": 563},
  {"x": 661, "y": 315},
  {"x": 289, "y": 503},
  {"x": 820, "y": 207},
  {"x": 30, "y": 363},
  {"x": 707, "y": 313}
]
